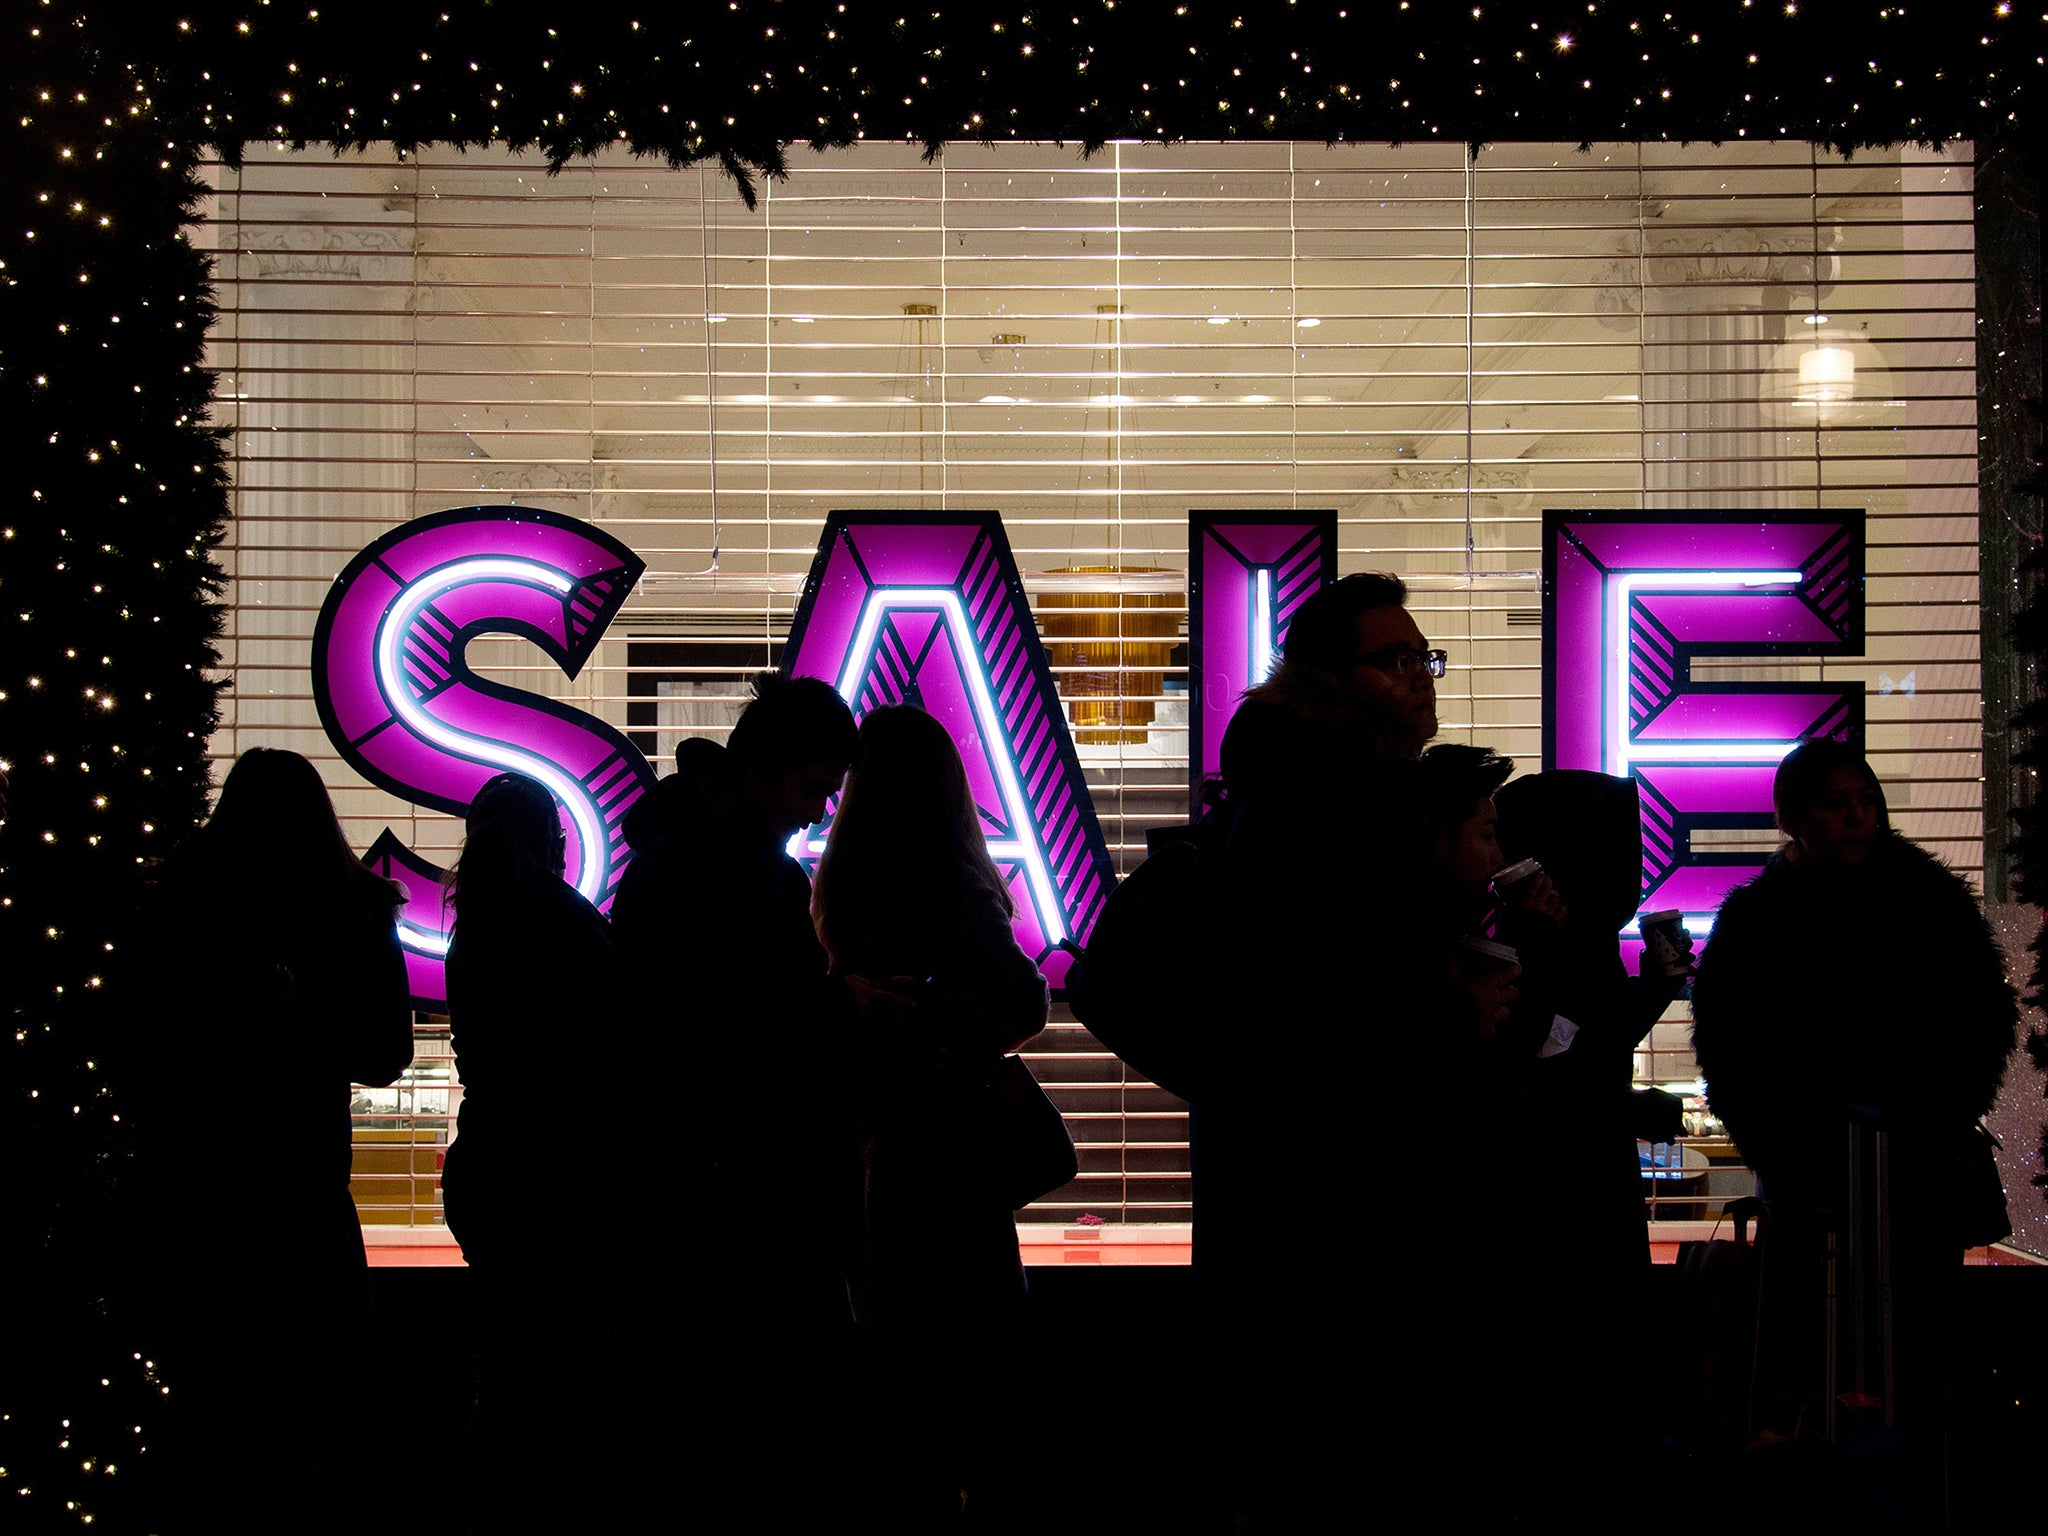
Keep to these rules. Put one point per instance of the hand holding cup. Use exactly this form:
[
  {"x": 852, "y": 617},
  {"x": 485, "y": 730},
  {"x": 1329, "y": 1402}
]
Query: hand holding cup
[
  {"x": 1488, "y": 973},
  {"x": 1667, "y": 947},
  {"x": 1526, "y": 888}
]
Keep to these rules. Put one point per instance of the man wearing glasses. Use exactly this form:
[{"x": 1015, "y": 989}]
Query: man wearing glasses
[
  {"x": 1361, "y": 632},
  {"x": 1401, "y": 672},
  {"x": 1345, "y": 1023},
  {"x": 1356, "y": 681}
]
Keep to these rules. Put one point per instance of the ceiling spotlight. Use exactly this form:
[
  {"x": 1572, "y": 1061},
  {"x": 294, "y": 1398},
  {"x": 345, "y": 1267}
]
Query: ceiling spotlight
[
  {"x": 1219, "y": 319},
  {"x": 714, "y": 319},
  {"x": 1308, "y": 322},
  {"x": 1816, "y": 319}
]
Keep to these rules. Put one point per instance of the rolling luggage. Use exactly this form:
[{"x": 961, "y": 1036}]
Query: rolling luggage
[
  {"x": 1824, "y": 1327},
  {"x": 1795, "y": 1386}
]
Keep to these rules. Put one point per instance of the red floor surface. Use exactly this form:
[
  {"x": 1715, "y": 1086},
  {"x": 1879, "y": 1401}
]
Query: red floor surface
[{"x": 433, "y": 1248}]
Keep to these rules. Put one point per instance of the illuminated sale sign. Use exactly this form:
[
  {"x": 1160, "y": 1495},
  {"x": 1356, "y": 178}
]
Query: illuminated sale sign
[
  {"x": 1630, "y": 601},
  {"x": 1247, "y": 574},
  {"x": 402, "y": 706},
  {"x": 928, "y": 609}
]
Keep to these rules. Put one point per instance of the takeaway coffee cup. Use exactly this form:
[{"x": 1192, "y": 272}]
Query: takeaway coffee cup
[
  {"x": 1515, "y": 874},
  {"x": 1482, "y": 957},
  {"x": 1664, "y": 944}
]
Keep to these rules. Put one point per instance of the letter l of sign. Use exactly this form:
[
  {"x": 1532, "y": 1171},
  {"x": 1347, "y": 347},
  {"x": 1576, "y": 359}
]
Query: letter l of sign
[{"x": 1247, "y": 574}]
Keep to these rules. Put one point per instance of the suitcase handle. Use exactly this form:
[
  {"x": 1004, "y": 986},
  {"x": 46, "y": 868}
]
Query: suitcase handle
[{"x": 1746, "y": 1212}]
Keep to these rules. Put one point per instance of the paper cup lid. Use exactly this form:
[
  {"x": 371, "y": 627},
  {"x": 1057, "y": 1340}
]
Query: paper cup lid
[
  {"x": 1521, "y": 869},
  {"x": 1672, "y": 915},
  {"x": 1501, "y": 952}
]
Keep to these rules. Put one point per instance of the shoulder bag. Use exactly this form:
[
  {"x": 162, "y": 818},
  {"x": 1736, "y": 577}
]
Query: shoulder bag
[{"x": 1022, "y": 1141}]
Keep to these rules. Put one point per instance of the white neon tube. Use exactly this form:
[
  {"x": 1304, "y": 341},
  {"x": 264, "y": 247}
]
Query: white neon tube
[
  {"x": 1698, "y": 924},
  {"x": 390, "y": 672},
  {"x": 1262, "y": 625},
  {"x": 1708, "y": 751}
]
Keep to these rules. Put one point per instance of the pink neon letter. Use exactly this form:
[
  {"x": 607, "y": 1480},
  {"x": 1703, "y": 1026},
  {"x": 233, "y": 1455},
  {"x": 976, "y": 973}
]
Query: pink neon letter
[
  {"x": 1630, "y": 599},
  {"x": 403, "y": 708},
  {"x": 1247, "y": 574},
  {"x": 903, "y": 607}
]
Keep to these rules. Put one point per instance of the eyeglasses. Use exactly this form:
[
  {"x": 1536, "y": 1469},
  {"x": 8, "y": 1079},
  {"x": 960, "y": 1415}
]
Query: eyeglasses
[{"x": 1404, "y": 661}]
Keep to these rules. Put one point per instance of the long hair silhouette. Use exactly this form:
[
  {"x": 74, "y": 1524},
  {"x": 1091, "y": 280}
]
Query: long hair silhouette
[
  {"x": 907, "y": 843},
  {"x": 274, "y": 816}
]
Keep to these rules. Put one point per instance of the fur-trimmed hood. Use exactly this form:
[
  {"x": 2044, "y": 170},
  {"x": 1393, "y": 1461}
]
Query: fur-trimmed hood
[{"x": 1825, "y": 987}]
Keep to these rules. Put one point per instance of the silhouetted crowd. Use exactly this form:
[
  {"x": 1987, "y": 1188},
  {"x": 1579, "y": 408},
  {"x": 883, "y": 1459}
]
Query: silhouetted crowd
[{"x": 1421, "y": 1257}]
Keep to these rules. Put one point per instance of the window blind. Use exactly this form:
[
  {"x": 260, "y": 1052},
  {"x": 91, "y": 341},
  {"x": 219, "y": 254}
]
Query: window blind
[{"x": 1436, "y": 347}]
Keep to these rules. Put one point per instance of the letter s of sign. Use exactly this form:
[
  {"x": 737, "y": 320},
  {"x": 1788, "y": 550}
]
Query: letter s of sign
[{"x": 401, "y": 705}]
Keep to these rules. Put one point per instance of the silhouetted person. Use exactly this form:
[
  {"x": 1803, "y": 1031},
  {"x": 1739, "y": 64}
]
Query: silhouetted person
[
  {"x": 669, "y": 830},
  {"x": 654, "y": 1329},
  {"x": 1454, "y": 799},
  {"x": 1336, "y": 952},
  {"x": 681, "y": 803},
  {"x": 759, "y": 1143},
  {"x": 1457, "y": 785},
  {"x": 916, "y": 916},
  {"x": 1856, "y": 976},
  {"x": 271, "y": 947},
  {"x": 1573, "y": 1036},
  {"x": 1586, "y": 830},
  {"x": 528, "y": 962},
  {"x": 1498, "y": 1328}
]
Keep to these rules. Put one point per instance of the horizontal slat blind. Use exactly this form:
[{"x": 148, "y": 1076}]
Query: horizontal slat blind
[{"x": 1093, "y": 347}]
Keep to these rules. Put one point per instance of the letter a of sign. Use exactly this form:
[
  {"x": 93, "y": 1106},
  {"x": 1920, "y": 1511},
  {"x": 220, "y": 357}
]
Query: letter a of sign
[
  {"x": 403, "y": 708},
  {"x": 1247, "y": 573},
  {"x": 1631, "y": 602},
  {"x": 928, "y": 609}
]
